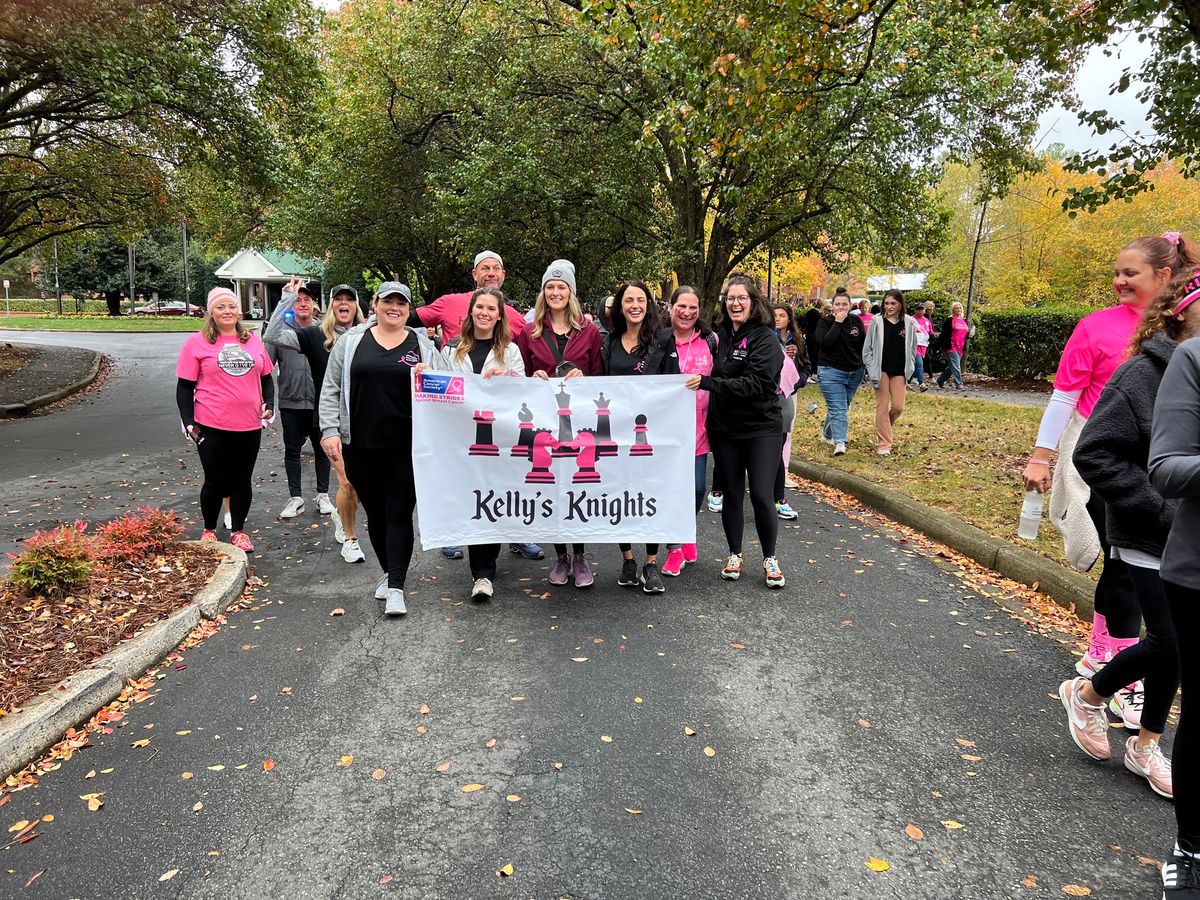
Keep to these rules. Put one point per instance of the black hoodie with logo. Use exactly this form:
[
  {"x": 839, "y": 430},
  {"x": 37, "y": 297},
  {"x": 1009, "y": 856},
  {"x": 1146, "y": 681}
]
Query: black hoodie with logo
[{"x": 744, "y": 384}]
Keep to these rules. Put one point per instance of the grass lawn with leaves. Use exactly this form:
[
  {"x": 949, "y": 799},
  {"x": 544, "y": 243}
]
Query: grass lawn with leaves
[
  {"x": 100, "y": 323},
  {"x": 957, "y": 454}
]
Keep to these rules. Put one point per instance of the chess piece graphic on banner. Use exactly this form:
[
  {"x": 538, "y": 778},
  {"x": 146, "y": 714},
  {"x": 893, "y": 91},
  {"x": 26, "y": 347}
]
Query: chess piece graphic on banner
[
  {"x": 605, "y": 445},
  {"x": 566, "y": 446},
  {"x": 641, "y": 445},
  {"x": 524, "y": 445},
  {"x": 585, "y": 461},
  {"x": 541, "y": 458},
  {"x": 484, "y": 445}
]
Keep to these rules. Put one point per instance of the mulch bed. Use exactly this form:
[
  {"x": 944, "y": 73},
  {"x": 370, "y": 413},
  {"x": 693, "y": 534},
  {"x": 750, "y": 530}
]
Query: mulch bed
[
  {"x": 14, "y": 359},
  {"x": 43, "y": 641}
]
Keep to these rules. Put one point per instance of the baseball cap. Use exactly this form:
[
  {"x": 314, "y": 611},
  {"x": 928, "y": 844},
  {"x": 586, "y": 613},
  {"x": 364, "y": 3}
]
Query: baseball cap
[{"x": 395, "y": 287}]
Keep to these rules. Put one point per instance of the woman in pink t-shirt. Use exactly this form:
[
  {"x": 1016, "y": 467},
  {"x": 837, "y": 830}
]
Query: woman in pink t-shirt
[
  {"x": 225, "y": 395},
  {"x": 924, "y": 329},
  {"x": 953, "y": 339},
  {"x": 1097, "y": 346}
]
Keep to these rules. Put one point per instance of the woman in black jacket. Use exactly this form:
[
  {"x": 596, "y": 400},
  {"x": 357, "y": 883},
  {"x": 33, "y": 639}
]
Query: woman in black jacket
[
  {"x": 840, "y": 338},
  {"x": 1112, "y": 456},
  {"x": 745, "y": 426}
]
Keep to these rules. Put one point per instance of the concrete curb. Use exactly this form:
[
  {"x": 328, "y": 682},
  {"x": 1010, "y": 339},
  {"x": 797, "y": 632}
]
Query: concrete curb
[
  {"x": 1059, "y": 583},
  {"x": 12, "y": 410},
  {"x": 41, "y": 724}
]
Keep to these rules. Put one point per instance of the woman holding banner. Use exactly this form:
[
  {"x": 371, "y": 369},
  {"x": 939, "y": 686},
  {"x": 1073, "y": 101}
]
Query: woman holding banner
[
  {"x": 484, "y": 347},
  {"x": 560, "y": 343},
  {"x": 367, "y": 395},
  {"x": 745, "y": 425},
  {"x": 625, "y": 351},
  {"x": 687, "y": 347}
]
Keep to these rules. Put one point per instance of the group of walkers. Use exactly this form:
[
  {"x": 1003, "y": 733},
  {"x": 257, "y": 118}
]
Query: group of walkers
[{"x": 345, "y": 386}]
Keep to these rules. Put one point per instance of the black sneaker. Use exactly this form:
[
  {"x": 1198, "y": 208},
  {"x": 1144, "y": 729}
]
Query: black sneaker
[
  {"x": 652, "y": 582},
  {"x": 1180, "y": 878},
  {"x": 629, "y": 575}
]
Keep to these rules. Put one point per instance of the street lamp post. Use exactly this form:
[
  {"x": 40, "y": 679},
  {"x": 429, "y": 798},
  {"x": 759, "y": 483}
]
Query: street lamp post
[
  {"x": 57, "y": 289},
  {"x": 187, "y": 283},
  {"x": 132, "y": 295}
]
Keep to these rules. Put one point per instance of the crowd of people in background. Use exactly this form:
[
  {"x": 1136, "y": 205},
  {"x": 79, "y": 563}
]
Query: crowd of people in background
[{"x": 1123, "y": 419}]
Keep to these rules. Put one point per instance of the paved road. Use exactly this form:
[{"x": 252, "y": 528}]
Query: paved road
[{"x": 837, "y": 725}]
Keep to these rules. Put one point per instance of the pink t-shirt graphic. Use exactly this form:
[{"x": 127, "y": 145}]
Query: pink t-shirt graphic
[
  {"x": 227, "y": 373},
  {"x": 1097, "y": 346}
]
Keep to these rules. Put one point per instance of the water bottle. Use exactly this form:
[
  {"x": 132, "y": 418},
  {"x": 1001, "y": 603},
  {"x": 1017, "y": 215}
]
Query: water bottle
[{"x": 1031, "y": 516}]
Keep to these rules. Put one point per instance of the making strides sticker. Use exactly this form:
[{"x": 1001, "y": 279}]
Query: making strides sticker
[
  {"x": 234, "y": 360},
  {"x": 434, "y": 388}
]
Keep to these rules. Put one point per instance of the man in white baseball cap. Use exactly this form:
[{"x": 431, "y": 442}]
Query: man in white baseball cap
[{"x": 449, "y": 310}]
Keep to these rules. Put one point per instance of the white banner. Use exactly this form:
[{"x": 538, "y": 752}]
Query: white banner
[{"x": 597, "y": 460}]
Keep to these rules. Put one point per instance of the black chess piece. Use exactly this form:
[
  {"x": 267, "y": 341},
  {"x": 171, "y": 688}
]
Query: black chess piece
[
  {"x": 566, "y": 436},
  {"x": 605, "y": 445},
  {"x": 524, "y": 445},
  {"x": 484, "y": 445},
  {"x": 641, "y": 445}
]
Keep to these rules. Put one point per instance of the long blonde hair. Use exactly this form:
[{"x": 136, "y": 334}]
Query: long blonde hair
[
  {"x": 210, "y": 332},
  {"x": 500, "y": 334},
  {"x": 574, "y": 313},
  {"x": 329, "y": 322}
]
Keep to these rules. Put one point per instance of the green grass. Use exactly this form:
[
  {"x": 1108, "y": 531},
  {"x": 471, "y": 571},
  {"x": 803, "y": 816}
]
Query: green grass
[
  {"x": 100, "y": 323},
  {"x": 960, "y": 455}
]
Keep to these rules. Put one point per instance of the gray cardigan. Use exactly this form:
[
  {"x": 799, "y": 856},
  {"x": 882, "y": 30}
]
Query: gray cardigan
[
  {"x": 873, "y": 348},
  {"x": 334, "y": 402},
  {"x": 1175, "y": 461}
]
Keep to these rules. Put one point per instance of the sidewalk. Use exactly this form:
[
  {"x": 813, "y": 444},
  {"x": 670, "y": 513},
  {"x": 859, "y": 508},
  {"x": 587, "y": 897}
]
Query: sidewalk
[{"x": 54, "y": 373}]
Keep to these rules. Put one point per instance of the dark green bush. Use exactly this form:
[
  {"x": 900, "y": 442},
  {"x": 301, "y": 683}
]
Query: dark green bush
[{"x": 1021, "y": 343}]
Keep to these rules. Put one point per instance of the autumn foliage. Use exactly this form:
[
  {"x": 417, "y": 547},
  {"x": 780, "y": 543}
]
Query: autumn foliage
[{"x": 138, "y": 535}]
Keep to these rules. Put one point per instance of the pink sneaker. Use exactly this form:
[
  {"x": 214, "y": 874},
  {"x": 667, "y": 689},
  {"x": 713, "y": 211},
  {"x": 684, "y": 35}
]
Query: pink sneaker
[
  {"x": 1126, "y": 705},
  {"x": 208, "y": 536},
  {"x": 1088, "y": 724},
  {"x": 674, "y": 564},
  {"x": 1088, "y": 665},
  {"x": 689, "y": 553},
  {"x": 241, "y": 541},
  {"x": 561, "y": 573},
  {"x": 1151, "y": 765},
  {"x": 583, "y": 572}
]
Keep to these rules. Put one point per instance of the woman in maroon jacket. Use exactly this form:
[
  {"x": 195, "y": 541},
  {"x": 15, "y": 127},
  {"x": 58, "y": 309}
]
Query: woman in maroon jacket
[{"x": 560, "y": 343}]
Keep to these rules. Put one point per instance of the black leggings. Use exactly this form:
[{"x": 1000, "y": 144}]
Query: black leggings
[
  {"x": 1114, "y": 598},
  {"x": 1154, "y": 658},
  {"x": 298, "y": 427},
  {"x": 228, "y": 458},
  {"x": 651, "y": 549},
  {"x": 482, "y": 558},
  {"x": 1184, "y": 604},
  {"x": 733, "y": 459},
  {"x": 383, "y": 479},
  {"x": 561, "y": 549}
]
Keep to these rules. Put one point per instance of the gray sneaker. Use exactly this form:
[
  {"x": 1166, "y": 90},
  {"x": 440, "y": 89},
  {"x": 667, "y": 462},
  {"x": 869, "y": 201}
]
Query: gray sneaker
[
  {"x": 381, "y": 589},
  {"x": 629, "y": 573},
  {"x": 395, "y": 603},
  {"x": 652, "y": 582}
]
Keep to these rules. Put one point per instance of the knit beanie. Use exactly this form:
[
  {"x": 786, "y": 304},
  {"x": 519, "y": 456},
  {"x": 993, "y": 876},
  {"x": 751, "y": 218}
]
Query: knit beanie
[
  {"x": 561, "y": 270},
  {"x": 221, "y": 293}
]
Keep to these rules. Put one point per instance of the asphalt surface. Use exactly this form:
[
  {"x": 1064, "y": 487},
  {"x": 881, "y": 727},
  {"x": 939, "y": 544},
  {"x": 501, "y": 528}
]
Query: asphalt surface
[
  {"x": 838, "y": 719},
  {"x": 51, "y": 369}
]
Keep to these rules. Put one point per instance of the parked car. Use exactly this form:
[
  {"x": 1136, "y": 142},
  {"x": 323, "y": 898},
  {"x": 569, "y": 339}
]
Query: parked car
[{"x": 169, "y": 308}]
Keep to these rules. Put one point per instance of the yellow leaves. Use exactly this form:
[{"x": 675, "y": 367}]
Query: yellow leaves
[
  {"x": 144, "y": 742},
  {"x": 442, "y": 767},
  {"x": 379, "y": 775},
  {"x": 345, "y": 762},
  {"x": 1076, "y": 890},
  {"x": 94, "y": 801},
  {"x": 690, "y": 732},
  {"x": 914, "y": 832},
  {"x": 505, "y": 871},
  {"x": 607, "y": 738},
  {"x": 952, "y": 825},
  {"x": 633, "y": 811},
  {"x": 472, "y": 788},
  {"x": 875, "y": 864},
  {"x": 637, "y": 699},
  {"x": 217, "y": 768},
  {"x": 168, "y": 875},
  {"x": 185, "y": 731},
  {"x": 50, "y": 818},
  {"x": 710, "y": 752},
  {"x": 187, "y": 776},
  {"x": 513, "y": 798},
  {"x": 517, "y": 699},
  {"x": 579, "y": 659},
  {"x": 18, "y": 826}
]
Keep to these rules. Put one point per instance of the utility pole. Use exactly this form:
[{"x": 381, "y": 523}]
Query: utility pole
[
  {"x": 132, "y": 295},
  {"x": 57, "y": 290},
  {"x": 974, "y": 261},
  {"x": 770, "y": 272},
  {"x": 187, "y": 283}
]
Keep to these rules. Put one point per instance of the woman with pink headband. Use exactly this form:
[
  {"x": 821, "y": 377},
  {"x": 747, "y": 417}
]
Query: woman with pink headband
[
  {"x": 1100, "y": 343},
  {"x": 225, "y": 396}
]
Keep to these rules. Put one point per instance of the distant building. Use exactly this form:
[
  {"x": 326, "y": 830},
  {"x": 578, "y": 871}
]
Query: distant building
[
  {"x": 258, "y": 277},
  {"x": 905, "y": 281}
]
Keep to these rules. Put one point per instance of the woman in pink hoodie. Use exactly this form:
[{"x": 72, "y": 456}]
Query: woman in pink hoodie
[{"x": 686, "y": 348}]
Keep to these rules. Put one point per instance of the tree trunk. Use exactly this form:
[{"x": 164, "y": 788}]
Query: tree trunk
[{"x": 113, "y": 299}]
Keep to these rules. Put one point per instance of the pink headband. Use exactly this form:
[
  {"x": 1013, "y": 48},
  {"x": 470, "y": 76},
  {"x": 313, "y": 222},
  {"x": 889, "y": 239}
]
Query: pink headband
[
  {"x": 1191, "y": 295},
  {"x": 220, "y": 293}
]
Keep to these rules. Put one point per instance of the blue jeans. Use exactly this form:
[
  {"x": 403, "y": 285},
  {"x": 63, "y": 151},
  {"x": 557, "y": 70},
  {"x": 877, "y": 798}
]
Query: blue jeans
[
  {"x": 838, "y": 387},
  {"x": 954, "y": 369},
  {"x": 918, "y": 368},
  {"x": 701, "y": 479}
]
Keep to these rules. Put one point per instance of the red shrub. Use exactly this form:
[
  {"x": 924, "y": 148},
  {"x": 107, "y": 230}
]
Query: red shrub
[
  {"x": 54, "y": 561},
  {"x": 137, "y": 535}
]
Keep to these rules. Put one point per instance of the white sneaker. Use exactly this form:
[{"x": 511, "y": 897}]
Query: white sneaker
[
  {"x": 325, "y": 506},
  {"x": 395, "y": 603},
  {"x": 339, "y": 533},
  {"x": 381, "y": 589},
  {"x": 228, "y": 521},
  {"x": 839, "y": 449},
  {"x": 294, "y": 507},
  {"x": 351, "y": 552},
  {"x": 482, "y": 591}
]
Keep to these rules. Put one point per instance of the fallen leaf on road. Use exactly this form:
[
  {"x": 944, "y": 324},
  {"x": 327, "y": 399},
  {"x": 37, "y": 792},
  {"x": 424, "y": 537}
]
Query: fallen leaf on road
[
  {"x": 425, "y": 709},
  {"x": 91, "y": 774},
  {"x": 379, "y": 775},
  {"x": 607, "y": 738},
  {"x": 34, "y": 877},
  {"x": 736, "y": 646},
  {"x": 864, "y": 723},
  {"x": 185, "y": 731},
  {"x": 964, "y": 742},
  {"x": 970, "y": 757},
  {"x": 491, "y": 743},
  {"x": 50, "y": 818},
  {"x": 187, "y": 776},
  {"x": 505, "y": 870},
  {"x": 168, "y": 875},
  {"x": 1142, "y": 860},
  {"x": 513, "y": 798},
  {"x": 632, "y": 811},
  {"x": 710, "y": 752},
  {"x": 216, "y": 768},
  {"x": 345, "y": 762},
  {"x": 142, "y": 743},
  {"x": 877, "y": 865},
  {"x": 18, "y": 826},
  {"x": 558, "y": 767},
  {"x": 952, "y": 825},
  {"x": 421, "y": 729},
  {"x": 689, "y": 731},
  {"x": 386, "y": 879},
  {"x": 516, "y": 699},
  {"x": 637, "y": 699},
  {"x": 914, "y": 832},
  {"x": 442, "y": 767},
  {"x": 1077, "y": 890},
  {"x": 337, "y": 612},
  {"x": 472, "y": 788},
  {"x": 198, "y": 806},
  {"x": 579, "y": 659},
  {"x": 1030, "y": 881},
  {"x": 268, "y": 765}
]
